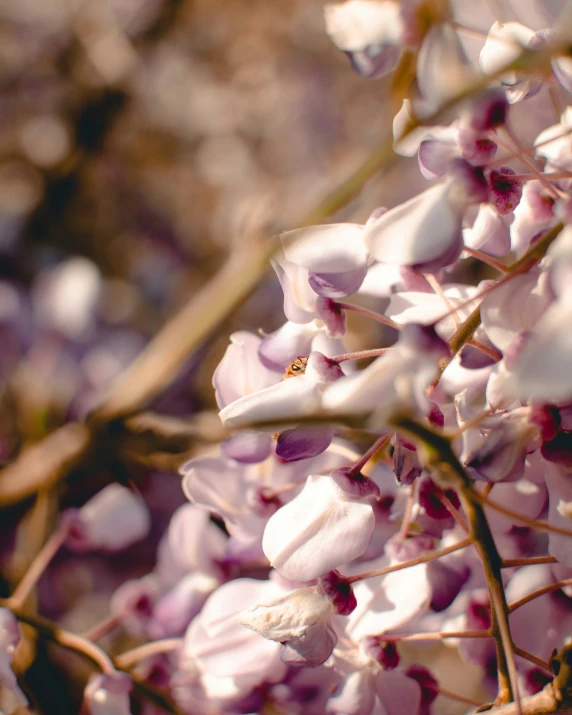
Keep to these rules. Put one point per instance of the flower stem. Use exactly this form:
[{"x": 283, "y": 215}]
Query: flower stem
[
  {"x": 456, "y": 696},
  {"x": 540, "y": 592},
  {"x": 532, "y": 658},
  {"x": 102, "y": 628},
  {"x": 408, "y": 512},
  {"x": 533, "y": 523},
  {"x": 485, "y": 258},
  {"x": 509, "y": 563},
  {"x": 129, "y": 658},
  {"x": 360, "y": 354},
  {"x": 465, "y": 331},
  {"x": 423, "y": 559},
  {"x": 441, "y": 459},
  {"x": 455, "y": 513},
  {"x": 375, "y": 447},
  {"x": 58, "y": 635},
  {"x": 437, "y": 636},
  {"x": 370, "y": 314},
  {"x": 39, "y": 565}
]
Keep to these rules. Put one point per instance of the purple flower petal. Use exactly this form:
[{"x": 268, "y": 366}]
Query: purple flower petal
[
  {"x": 303, "y": 442},
  {"x": 337, "y": 285}
]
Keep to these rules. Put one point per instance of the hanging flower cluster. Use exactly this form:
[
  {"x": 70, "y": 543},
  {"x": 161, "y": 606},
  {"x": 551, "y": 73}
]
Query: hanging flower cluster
[{"x": 425, "y": 496}]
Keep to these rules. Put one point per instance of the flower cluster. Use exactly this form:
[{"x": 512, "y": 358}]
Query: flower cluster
[{"x": 425, "y": 496}]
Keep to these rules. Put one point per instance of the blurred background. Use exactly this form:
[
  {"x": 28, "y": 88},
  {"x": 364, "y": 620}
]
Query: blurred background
[{"x": 140, "y": 141}]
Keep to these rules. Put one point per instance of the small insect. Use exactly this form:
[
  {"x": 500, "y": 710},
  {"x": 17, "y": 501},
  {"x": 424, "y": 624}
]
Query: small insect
[{"x": 298, "y": 367}]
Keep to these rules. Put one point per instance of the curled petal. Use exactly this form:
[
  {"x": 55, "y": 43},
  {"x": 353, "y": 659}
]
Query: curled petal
[
  {"x": 300, "y": 621},
  {"x": 422, "y": 230},
  {"x": 299, "y": 298},
  {"x": 435, "y": 157},
  {"x": 287, "y": 399},
  {"x": 283, "y": 346},
  {"x": 355, "y": 695},
  {"x": 221, "y": 647},
  {"x": 505, "y": 42},
  {"x": 562, "y": 68},
  {"x": 333, "y": 248},
  {"x": 359, "y": 24},
  {"x": 248, "y": 447},
  {"x": 398, "y": 693},
  {"x": 513, "y": 308},
  {"x": 541, "y": 369},
  {"x": 442, "y": 68},
  {"x": 112, "y": 520},
  {"x": 338, "y": 285},
  {"x": 489, "y": 233},
  {"x": 240, "y": 372},
  {"x": 317, "y": 531},
  {"x": 303, "y": 442}
]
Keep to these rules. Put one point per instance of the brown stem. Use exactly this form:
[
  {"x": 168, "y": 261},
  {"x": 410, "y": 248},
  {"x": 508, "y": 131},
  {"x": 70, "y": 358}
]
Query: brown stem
[
  {"x": 455, "y": 513},
  {"x": 96, "y": 632},
  {"x": 450, "y": 694},
  {"x": 465, "y": 331},
  {"x": 438, "y": 636},
  {"x": 441, "y": 459},
  {"x": 531, "y": 658},
  {"x": 127, "y": 660},
  {"x": 39, "y": 565},
  {"x": 540, "y": 592},
  {"x": 533, "y": 560},
  {"x": 371, "y": 452},
  {"x": 87, "y": 649},
  {"x": 370, "y": 314},
  {"x": 59, "y": 635},
  {"x": 485, "y": 258},
  {"x": 533, "y": 523},
  {"x": 424, "y": 558},
  {"x": 360, "y": 354}
]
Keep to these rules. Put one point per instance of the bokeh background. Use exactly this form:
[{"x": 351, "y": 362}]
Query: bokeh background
[{"x": 140, "y": 142}]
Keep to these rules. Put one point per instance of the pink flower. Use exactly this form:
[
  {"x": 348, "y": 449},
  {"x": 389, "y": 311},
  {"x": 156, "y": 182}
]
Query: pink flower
[
  {"x": 108, "y": 694},
  {"x": 11, "y": 697},
  {"x": 112, "y": 520}
]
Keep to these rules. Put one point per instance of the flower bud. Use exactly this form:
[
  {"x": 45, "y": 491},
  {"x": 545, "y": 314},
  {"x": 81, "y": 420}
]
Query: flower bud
[
  {"x": 339, "y": 591},
  {"x": 384, "y": 652},
  {"x": 300, "y": 622},
  {"x": 505, "y": 192},
  {"x": 108, "y": 694},
  {"x": 112, "y": 520},
  {"x": 355, "y": 484}
]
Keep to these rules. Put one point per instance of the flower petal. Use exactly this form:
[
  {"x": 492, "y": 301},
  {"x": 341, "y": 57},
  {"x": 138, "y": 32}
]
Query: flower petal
[{"x": 317, "y": 531}]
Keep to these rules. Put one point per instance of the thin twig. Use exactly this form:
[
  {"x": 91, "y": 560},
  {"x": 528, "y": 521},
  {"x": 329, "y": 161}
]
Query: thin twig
[
  {"x": 129, "y": 658},
  {"x": 540, "y": 592},
  {"x": 62, "y": 637},
  {"x": 437, "y": 636},
  {"x": 39, "y": 565},
  {"x": 422, "y": 559}
]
